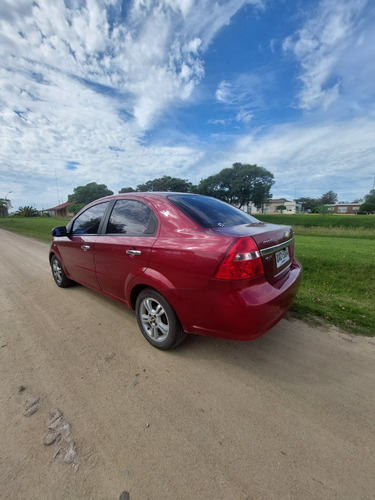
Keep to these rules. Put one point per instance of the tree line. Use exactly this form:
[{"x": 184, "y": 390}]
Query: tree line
[
  {"x": 238, "y": 185},
  {"x": 315, "y": 205}
]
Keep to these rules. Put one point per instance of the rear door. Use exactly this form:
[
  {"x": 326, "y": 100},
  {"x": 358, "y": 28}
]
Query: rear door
[{"x": 123, "y": 250}]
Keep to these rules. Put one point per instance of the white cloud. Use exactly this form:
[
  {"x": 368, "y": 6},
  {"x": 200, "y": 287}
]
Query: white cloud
[
  {"x": 243, "y": 96},
  {"x": 322, "y": 47},
  {"x": 83, "y": 81},
  {"x": 244, "y": 115},
  {"x": 309, "y": 159},
  {"x": 224, "y": 92}
]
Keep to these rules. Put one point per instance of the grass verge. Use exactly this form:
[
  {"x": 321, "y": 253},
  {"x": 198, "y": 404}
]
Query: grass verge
[
  {"x": 35, "y": 227},
  {"x": 337, "y": 255},
  {"x": 337, "y": 284}
]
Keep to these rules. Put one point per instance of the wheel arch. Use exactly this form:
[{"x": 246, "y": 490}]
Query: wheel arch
[
  {"x": 58, "y": 256},
  {"x": 136, "y": 290},
  {"x": 51, "y": 254},
  {"x": 149, "y": 279}
]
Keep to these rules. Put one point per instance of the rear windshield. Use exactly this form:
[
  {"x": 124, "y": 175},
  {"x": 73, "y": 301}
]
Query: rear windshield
[{"x": 210, "y": 212}]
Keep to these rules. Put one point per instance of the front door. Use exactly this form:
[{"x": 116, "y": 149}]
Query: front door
[
  {"x": 123, "y": 251},
  {"x": 77, "y": 250}
]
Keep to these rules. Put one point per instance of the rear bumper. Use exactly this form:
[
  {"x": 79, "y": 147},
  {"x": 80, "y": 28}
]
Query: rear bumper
[{"x": 230, "y": 310}]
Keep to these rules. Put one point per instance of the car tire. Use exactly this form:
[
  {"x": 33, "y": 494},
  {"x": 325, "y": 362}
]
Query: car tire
[
  {"x": 58, "y": 273},
  {"x": 157, "y": 320}
]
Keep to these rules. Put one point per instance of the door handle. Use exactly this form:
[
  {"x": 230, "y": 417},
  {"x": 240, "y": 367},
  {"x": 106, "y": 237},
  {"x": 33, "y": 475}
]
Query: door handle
[
  {"x": 133, "y": 252},
  {"x": 85, "y": 247}
]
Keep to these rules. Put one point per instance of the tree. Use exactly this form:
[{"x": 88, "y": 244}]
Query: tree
[
  {"x": 309, "y": 204},
  {"x": 76, "y": 207},
  {"x": 252, "y": 183},
  {"x": 166, "y": 183},
  {"x": 321, "y": 209},
  {"x": 239, "y": 185},
  {"x": 367, "y": 207},
  {"x": 219, "y": 186},
  {"x": 92, "y": 191},
  {"x": 126, "y": 190},
  {"x": 5, "y": 205},
  {"x": 27, "y": 211},
  {"x": 370, "y": 198},
  {"x": 281, "y": 208},
  {"x": 329, "y": 198}
]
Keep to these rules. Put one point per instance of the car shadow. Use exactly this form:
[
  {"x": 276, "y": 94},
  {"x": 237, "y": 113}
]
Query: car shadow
[{"x": 290, "y": 353}]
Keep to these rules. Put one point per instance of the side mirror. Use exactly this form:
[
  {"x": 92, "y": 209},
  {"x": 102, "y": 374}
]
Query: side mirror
[{"x": 59, "y": 231}]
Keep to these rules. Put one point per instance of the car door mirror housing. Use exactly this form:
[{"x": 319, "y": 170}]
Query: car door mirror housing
[{"x": 59, "y": 231}]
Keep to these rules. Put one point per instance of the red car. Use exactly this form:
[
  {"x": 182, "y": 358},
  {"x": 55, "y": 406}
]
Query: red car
[{"x": 185, "y": 263}]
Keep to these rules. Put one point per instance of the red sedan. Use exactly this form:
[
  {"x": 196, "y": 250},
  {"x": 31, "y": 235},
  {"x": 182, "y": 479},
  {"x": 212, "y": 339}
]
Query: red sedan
[{"x": 185, "y": 263}]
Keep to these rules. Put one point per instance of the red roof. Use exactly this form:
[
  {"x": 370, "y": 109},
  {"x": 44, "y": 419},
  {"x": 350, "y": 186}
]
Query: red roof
[{"x": 60, "y": 207}]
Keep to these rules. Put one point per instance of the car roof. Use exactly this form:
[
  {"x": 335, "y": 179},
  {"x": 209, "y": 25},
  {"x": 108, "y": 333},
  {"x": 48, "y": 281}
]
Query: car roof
[{"x": 146, "y": 194}]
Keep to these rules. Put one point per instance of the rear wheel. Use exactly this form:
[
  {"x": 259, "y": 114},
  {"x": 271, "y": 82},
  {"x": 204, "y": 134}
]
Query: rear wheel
[
  {"x": 157, "y": 320},
  {"x": 58, "y": 273}
]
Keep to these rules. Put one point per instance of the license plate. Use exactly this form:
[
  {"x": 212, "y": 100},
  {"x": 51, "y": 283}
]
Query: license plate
[{"x": 282, "y": 257}]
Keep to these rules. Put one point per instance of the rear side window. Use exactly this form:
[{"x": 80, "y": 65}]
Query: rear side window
[
  {"x": 133, "y": 218},
  {"x": 210, "y": 212},
  {"x": 89, "y": 221}
]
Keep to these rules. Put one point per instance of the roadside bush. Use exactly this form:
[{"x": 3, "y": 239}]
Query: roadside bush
[{"x": 368, "y": 208}]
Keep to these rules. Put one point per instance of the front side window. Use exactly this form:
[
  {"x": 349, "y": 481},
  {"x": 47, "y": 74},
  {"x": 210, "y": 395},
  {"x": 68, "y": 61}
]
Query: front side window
[
  {"x": 88, "y": 222},
  {"x": 133, "y": 218}
]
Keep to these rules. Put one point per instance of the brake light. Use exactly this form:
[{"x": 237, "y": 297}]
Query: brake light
[{"x": 241, "y": 262}]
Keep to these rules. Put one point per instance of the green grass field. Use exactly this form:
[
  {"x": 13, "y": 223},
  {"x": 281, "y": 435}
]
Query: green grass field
[
  {"x": 35, "y": 227},
  {"x": 317, "y": 220},
  {"x": 338, "y": 281},
  {"x": 337, "y": 254}
]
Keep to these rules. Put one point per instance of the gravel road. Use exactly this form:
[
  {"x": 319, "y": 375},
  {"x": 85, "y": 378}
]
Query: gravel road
[{"x": 288, "y": 416}]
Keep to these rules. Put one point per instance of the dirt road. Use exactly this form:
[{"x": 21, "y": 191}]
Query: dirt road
[{"x": 290, "y": 415}]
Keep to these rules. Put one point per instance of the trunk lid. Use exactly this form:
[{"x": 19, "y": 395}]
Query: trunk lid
[{"x": 275, "y": 243}]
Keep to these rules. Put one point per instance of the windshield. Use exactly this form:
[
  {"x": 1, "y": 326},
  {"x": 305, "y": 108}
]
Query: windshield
[{"x": 210, "y": 212}]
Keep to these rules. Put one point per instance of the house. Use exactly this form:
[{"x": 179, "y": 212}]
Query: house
[
  {"x": 250, "y": 208},
  {"x": 343, "y": 208},
  {"x": 291, "y": 207},
  {"x": 61, "y": 210}
]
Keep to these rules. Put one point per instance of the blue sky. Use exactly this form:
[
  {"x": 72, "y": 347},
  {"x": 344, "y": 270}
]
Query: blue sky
[{"x": 120, "y": 92}]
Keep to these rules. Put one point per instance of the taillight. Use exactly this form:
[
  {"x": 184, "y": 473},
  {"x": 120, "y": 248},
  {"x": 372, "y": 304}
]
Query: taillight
[{"x": 241, "y": 262}]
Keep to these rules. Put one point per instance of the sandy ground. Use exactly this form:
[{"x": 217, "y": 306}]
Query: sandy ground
[{"x": 290, "y": 415}]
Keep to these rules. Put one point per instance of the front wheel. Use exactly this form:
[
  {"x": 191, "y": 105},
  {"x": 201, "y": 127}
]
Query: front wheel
[
  {"x": 58, "y": 273},
  {"x": 157, "y": 320}
]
